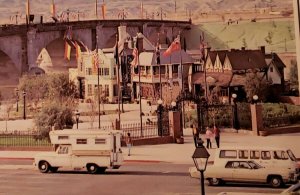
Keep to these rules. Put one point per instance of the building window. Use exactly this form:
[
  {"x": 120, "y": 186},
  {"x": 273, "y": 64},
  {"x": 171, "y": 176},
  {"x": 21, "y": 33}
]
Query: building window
[
  {"x": 228, "y": 154},
  {"x": 106, "y": 71},
  {"x": 265, "y": 155},
  {"x": 271, "y": 69},
  {"x": 81, "y": 66},
  {"x": 81, "y": 141},
  {"x": 115, "y": 90},
  {"x": 243, "y": 154},
  {"x": 90, "y": 90},
  {"x": 106, "y": 90},
  {"x": 175, "y": 68},
  {"x": 89, "y": 71}
]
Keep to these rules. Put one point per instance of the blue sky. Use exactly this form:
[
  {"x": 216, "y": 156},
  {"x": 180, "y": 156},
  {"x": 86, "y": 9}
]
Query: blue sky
[{"x": 9, "y": 8}]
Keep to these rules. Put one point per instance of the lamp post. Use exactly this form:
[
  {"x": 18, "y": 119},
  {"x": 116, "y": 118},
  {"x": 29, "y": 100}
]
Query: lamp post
[
  {"x": 200, "y": 158},
  {"x": 77, "y": 114},
  {"x": 17, "y": 99},
  {"x": 173, "y": 104},
  {"x": 255, "y": 99},
  {"x": 159, "y": 112},
  {"x": 24, "y": 106},
  {"x": 236, "y": 124}
]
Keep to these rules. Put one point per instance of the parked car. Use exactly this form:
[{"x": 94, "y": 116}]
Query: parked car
[{"x": 246, "y": 171}]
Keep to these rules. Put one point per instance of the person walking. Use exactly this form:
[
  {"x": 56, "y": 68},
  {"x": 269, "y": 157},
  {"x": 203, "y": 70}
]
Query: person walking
[
  {"x": 195, "y": 134},
  {"x": 216, "y": 132},
  {"x": 128, "y": 143},
  {"x": 208, "y": 135}
]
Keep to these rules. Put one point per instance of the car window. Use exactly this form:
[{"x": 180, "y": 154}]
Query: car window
[
  {"x": 254, "y": 154},
  {"x": 243, "y": 154},
  {"x": 244, "y": 165},
  {"x": 229, "y": 164},
  {"x": 265, "y": 155},
  {"x": 280, "y": 155},
  {"x": 235, "y": 164},
  {"x": 291, "y": 155}
]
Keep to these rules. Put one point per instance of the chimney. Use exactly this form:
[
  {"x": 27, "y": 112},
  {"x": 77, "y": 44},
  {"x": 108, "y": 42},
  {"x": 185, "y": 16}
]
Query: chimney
[
  {"x": 207, "y": 50},
  {"x": 122, "y": 33},
  {"x": 263, "y": 49}
]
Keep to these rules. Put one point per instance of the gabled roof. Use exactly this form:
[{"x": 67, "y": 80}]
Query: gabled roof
[
  {"x": 246, "y": 59},
  {"x": 213, "y": 56},
  {"x": 273, "y": 57}
]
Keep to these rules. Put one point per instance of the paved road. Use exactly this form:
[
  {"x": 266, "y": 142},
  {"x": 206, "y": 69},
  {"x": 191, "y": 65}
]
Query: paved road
[{"x": 131, "y": 179}]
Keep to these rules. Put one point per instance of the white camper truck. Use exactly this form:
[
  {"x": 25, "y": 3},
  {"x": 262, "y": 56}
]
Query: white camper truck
[{"x": 93, "y": 150}]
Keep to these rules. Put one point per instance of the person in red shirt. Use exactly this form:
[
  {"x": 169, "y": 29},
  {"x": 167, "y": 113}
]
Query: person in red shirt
[{"x": 216, "y": 132}]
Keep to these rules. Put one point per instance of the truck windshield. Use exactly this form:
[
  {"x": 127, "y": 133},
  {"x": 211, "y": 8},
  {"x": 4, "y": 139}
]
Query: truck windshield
[{"x": 291, "y": 155}]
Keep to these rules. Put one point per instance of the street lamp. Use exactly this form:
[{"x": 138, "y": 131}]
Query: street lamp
[
  {"x": 173, "y": 104},
  {"x": 200, "y": 158},
  {"x": 17, "y": 98},
  {"x": 159, "y": 112},
  {"x": 77, "y": 114},
  {"x": 236, "y": 124},
  {"x": 255, "y": 99},
  {"x": 24, "y": 106}
]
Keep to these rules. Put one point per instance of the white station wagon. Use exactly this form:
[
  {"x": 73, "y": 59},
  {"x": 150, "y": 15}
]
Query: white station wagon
[{"x": 246, "y": 171}]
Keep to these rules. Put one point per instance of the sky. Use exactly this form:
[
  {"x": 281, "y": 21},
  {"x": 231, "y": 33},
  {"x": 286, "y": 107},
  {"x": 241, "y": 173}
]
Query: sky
[{"x": 10, "y": 8}]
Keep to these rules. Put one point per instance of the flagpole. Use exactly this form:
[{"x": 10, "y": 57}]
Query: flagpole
[
  {"x": 99, "y": 101},
  {"x": 118, "y": 80},
  {"x": 182, "y": 89},
  {"x": 140, "y": 88}
]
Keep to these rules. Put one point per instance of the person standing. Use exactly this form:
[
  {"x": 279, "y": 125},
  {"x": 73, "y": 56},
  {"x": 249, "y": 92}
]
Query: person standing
[
  {"x": 208, "y": 135},
  {"x": 195, "y": 134},
  {"x": 128, "y": 143},
  {"x": 217, "y": 135}
]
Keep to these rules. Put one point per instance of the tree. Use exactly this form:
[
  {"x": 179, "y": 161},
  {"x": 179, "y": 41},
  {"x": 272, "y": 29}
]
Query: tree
[
  {"x": 53, "y": 115},
  {"x": 256, "y": 85}
]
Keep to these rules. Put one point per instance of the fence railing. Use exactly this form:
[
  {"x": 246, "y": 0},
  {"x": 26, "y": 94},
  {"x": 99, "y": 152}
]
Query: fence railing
[
  {"x": 280, "y": 121},
  {"x": 34, "y": 138},
  {"x": 23, "y": 138}
]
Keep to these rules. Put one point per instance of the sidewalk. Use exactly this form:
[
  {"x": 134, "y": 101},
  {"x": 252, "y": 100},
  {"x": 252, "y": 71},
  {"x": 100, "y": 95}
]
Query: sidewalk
[{"x": 182, "y": 153}]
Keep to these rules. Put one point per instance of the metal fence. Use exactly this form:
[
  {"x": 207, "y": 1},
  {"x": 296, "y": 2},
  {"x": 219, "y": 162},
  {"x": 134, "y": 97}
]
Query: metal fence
[
  {"x": 22, "y": 138},
  {"x": 34, "y": 138},
  {"x": 271, "y": 121}
]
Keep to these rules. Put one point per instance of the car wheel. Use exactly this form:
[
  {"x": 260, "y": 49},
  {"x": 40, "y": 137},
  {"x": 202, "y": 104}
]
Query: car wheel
[
  {"x": 92, "y": 168},
  {"x": 214, "y": 181},
  {"x": 44, "y": 167},
  {"x": 276, "y": 181},
  {"x": 53, "y": 169}
]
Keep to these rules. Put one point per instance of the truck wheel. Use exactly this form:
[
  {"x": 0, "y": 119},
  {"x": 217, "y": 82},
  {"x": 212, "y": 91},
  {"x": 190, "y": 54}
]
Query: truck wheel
[
  {"x": 92, "y": 168},
  {"x": 214, "y": 181},
  {"x": 44, "y": 167},
  {"x": 275, "y": 181}
]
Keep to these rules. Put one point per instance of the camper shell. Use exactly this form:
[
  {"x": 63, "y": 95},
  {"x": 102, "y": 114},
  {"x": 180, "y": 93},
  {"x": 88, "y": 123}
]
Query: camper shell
[{"x": 93, "y": 150}]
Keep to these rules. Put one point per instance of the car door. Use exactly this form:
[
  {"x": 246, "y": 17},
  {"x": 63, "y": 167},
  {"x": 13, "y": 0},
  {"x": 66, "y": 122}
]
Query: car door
[
  {"x": 243, "y": 172},
  {"x": 63, "y": 156}
]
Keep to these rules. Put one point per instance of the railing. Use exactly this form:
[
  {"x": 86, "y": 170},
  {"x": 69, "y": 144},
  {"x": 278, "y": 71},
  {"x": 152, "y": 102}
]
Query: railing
[
  {"x": 271, "y": 121},
  {"x": 22, "y": 138},
  {"x": 35, "y": 139}
]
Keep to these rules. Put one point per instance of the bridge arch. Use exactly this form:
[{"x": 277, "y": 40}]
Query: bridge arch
[{"x": 9, "y": 71}]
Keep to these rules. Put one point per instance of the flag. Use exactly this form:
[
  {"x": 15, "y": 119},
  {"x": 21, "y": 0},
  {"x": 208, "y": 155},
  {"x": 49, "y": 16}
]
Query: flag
[
  {"x": 175, "y": 46},
  {"x": 103, "y": 11},
  {"x": 203, "y": 45},
  {"x": 78, "y": 51},
  {"x": 135, "y": 54},
  {"x": 116, "y": 53},
  {"x": 68, "y": 33},
  {"x": 96, "y": 59},
  {"x": 67, "y": 51}
]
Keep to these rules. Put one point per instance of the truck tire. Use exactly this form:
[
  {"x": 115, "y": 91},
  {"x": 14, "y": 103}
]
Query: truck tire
[
  {"x": 92, "y": 168},
  {"x": 214, "y": 181},
  {"x": 44, "y": 167},
  {"x": 275, "y": 181}
]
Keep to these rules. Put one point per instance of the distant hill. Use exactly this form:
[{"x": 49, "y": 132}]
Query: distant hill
[{"x": 277, "y": 36}]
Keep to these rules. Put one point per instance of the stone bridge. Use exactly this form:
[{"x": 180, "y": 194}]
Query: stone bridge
[{"x": 21, "y": 45}]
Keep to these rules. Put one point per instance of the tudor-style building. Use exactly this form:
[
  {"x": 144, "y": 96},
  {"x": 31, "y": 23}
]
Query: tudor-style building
[{"x": 227, "y": 69}]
